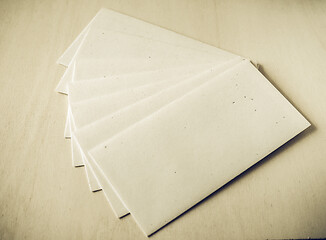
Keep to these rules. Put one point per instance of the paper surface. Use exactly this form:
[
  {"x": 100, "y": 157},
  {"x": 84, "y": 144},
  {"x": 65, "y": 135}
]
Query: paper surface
[
  {"x": 98, "y": 87},
  {"x": 85, "y": 112},
  {"x": 81, "y": 90},
  {"x": 96, "y": 132},
  {"x": 93, "y": 109},
  {"x": 135, "y": 63},
  {"x": 118, "y": 68},
  {"x": 100, "y": 43},
  {"x": 111, "y": 20},
  {"x": 176, "y": 157}
]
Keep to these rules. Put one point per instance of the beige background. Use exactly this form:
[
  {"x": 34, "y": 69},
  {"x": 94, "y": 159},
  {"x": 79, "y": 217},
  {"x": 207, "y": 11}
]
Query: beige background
[{"x": 43, "y": 197}]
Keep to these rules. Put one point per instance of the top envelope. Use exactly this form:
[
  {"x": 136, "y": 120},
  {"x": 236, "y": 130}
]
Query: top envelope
[
  {"x": 109, "y": 20},
  {"x": 170, "y": 161}
]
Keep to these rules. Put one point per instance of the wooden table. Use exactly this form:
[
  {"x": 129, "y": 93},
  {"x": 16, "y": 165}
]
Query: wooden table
[{"x": 43, "y": 197}]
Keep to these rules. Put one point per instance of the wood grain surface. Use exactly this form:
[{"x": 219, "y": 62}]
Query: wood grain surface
[{"x": 43, "y": 197}]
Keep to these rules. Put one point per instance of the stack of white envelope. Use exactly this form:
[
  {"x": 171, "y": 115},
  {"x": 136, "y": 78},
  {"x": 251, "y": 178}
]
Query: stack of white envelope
[{"x": 160, "y": 121}]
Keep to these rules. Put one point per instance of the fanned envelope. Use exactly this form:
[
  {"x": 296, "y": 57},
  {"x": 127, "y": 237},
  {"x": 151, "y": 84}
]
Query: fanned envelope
[
  {"x": 92, "y": 134},
  {"x": 85, "y": 112},
  {"x": 83, "y": 88},
  {"x": 160, "y": 121},
  {"x": 98, "y": 43},
  {"x": 121, "y": 91},
  {"x": 87, "y": 89},
  {"x": 179, "y": 155}
]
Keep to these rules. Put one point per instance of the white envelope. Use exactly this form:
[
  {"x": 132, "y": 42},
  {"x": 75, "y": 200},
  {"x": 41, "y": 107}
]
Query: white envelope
[
  {"x": 85, "y": 112},
  {"x": 147, "y": 63},
  {"x": 90, "y": 135},
  {"x": 81, "y": 89},
  {"x": 96, "y": 108},
  {"x": 84, "y": 88},
  {"x": 93, "y": 68},
  {"x": 111, "y": 20},
  {"x": 100, "y": 43},
  {"x": 182, "y": 153}
]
